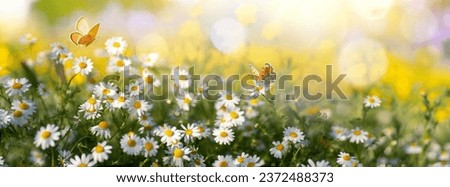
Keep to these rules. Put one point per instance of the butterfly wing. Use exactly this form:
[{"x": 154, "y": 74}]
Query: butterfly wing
[
  {"x": 86, "y": 40},
  {"x": 269, "y": 74},
  {"x": 94, "y": 30},
  {"x": 75, "y": 37},
  {"x": 255, "y": 72},
  {"x": 82, "y": 26}
]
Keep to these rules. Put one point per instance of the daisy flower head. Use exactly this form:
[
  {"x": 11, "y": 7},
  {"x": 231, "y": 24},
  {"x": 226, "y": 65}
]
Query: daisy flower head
[
  {"x": 149, "y": 60},
  {"x": 27, "y": 107},
  {"x": 358, "y": 136},
  {"x": 58, "y": 48},
  {"x": 101, "y": 152},
  {"x": 42, "y": 90},
  {"x": 150, "y": 147},
  {"x": 186, "y": 102},
  {"x": 5, "y": 118},
  {"x": 17, "y": 86},
  {"x": 145, "y": 119},
  {"x": 119, "y": 101},
  {"x": 279, "y": 149},
  {"x": 146, "y": 129},
  {"x": 103, "y": 90},
  {"x": 116, "y": 45},
  {"x": 229, "y": 100},
  {"x": 197, "y": 161},
  {"x": 101, "y": 130},
  {"x": 27, "y": 39},
  {"x": 413, "y": 149},
  {"x": 254, "y": 161},
  {"x": 182, "y": 78},
  {"x": 224, "y": 161},
  {"x": 235, "y": 116},
  {"x": 223, "y": 135},
  {"x": 322, "y": 163},
  {"x": 137, "y": 107},
  {"x": 345, "y": 160},
  {"x": 169, "y": 135},
  {"x": 18, "y": 118},
  {"x": 83, "y": 161},
  {"x": 372, "y": 101},
  {"x": 37, "y": 158},
  {"x": 250, "y": 112},
  {"x": 150, "y": 79},
  {"x": 293, "y": 134},
  {"x": 131, "y": 144},
  {"x": 83, "y": 65},
  {"x": 339, "y": 133},
  {"x": 223, "y": 121},
  {"x": 62, "y": 57},
  {"x": 241, "y": 160},
  {"x": 203, "y": 131},
  {"x": 64, "y": 157},
  {"x": 118, "y": 64},
  {"x": 176, "y": 155},
  {"x": 221, "y": 109},
  {"x": 47, "y": 136},
  {"x": 134, "y": 89},
  {"x": 91, "y": 111},
  {"x": 189, "y": 132}
]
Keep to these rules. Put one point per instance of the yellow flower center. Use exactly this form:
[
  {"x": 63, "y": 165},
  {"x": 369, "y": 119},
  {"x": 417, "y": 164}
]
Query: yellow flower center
[
  {"x": 82, "y": 65},
  {"x": 17, "y": 86},
  {"x": 234, "y": 115},
  {"x": 241, "y": 159},
  {"x": 201, "y": 129},
  {"x": 338, "y": 131},
  {"x": 280, "y": 147},
  {"x": 223, "y": 120},
  {"x": 188, "y": 132},
  {"x": 92, "y": 101},
  {"x": 223, "y": 108},
  {"x": 109, "y": 99},
  {"x": 147, "y": 127},
  {"x": 82, "y": 165},
  {"x": 120, "y": 63},
  {"x": 144, "y": 117},
  {"x": 17, "y": 114},
  {"x": 62, "y": 56},
  {"x": 46, "y": 134},
  {"x": 121, "y": 99},
  {"x": 131, "y": 143},
  {"x": 357, "y": 132},
  {"x": 137, "y": 105},
  {"x": 116, "y": 44},
  {"x": 254, "y": 101},
  {"x": 99, "y": 149},
  {"x": 371, "y": 100},
  {"x": 103, "y": 125},
  {"x": 105, "y": 91},
  {"x": 346, "y": 157},
  {"x": 223, "y": 134},
  {"x": 228, "y": 97},
  {"x": 149, "y": 79},
  {"x": 178, "y": 153},
  {"x": 187, "y": 100},
  {"x": 23, "y": 106},
  {"x": 197, "y": 162},
  {"x": 134, "y": 88},
  {"x": 313, "y": 110},
  {"x": 148, "y": 146},
  {"x": 293, "y": 135},
  {"x": 223, "y": 164},
  {"x": 168, "y": 133},
  {"x": 251, "y": 164}
]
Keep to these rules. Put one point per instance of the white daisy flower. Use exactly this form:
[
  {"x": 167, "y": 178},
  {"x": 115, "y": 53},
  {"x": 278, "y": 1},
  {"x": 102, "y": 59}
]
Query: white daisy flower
[
  {"x": 322, "y": 163},
  {"x": 221, "y": 109},
  {"x": 197, "y": 161},
  {"x": 176, "y": 156},
  {"x": 137, "y": 107},
  {"x": 42, "y": 90},
  {"x": 224, "y": 161},
  {"x": 189, "y": 132},
  {"x": 150, "y": 147},
  {"x": 250, "y": 112},
  {"x": 83, "y": 161},
  {"x": 150, "y": 80},
  {"x": 103, "y": 90},
  {"x": 229, "y": 100},
  {"x": 131, "y": 144},
  {"x": 358, "y": 136},
  {"x": 413, "y": 149},
  {"x": 92, "y": 102},
  {"x": 58, "y": 48},
  {"x": 169, "y": 135},
  {"x": 223, "y": 121},
  {"x": 248, "y": 129},
  {"x": 118, "y": 64},
  {"x": 241, "y": 160},
  {"x": 5, "y": 118},
  {"x": 116, "y": 45},
  {"x": 339, "y": 133},
  {"x": 2, "y": 161},
  {"x": 101, "y": 152},
  {"x": 27, "y": 39},
  {"x": 101, "y": 130},
  {"x": 223, "y": 135},
  {"x": 37, "y": 158},
  {"x": 255, "y": 102},
  {"x": 61, "y": 58},
  {"x": 372, "y": 101},
  {"x": 146, "y": 118},
  {"x": 18, "y": 118},
  {"x": 27, "y": 107},
  {"x": 204, "y": 132},
  {"x": 146, "y": 129},
  {"x": 186, "y": 102},
  {"x": 355, "y": 163},
  {"x": 64, "y": 157},
  {"x": 345, "y": 160},
  {"x": 254, "y": 161},
  {"x": 119, "y": 100},
  {"x": 182, "y": 79},
  {"x": 83, "y": 65},
  {"x": 235, "y": 116},
  {"x": 17, "y": 86},
  {"x": 91, "y": 111},
  {"x": 279, "y": 149},
  {"x": 293, "y": 134},
  {"x": 149, "y": 60},
  {"x": 47, "y": 136},
  {"x": 134, "y": 89}
]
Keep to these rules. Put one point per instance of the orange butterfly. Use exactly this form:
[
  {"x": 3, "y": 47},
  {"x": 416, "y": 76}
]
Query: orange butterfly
[
  {"x": 84, "y": 35},
  {"x": 266, "y": 73}
]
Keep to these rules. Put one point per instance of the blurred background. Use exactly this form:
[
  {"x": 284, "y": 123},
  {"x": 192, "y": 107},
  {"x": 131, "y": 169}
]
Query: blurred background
[{"x": 399, "y": 43}]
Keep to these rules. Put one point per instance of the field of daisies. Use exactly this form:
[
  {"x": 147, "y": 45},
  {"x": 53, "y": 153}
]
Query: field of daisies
[{"x": 84, "y": 103}]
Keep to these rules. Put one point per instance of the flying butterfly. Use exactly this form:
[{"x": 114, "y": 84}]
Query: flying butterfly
[
  {"x": 84, "y": 35},
  {"x": 266, "y": 73}
]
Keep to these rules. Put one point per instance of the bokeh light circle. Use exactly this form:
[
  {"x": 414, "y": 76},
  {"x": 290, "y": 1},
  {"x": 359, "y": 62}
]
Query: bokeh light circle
[{"x": 227, "y": 35}]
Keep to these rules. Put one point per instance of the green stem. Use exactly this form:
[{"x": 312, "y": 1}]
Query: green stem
[{"x": 68, "y": 84}]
